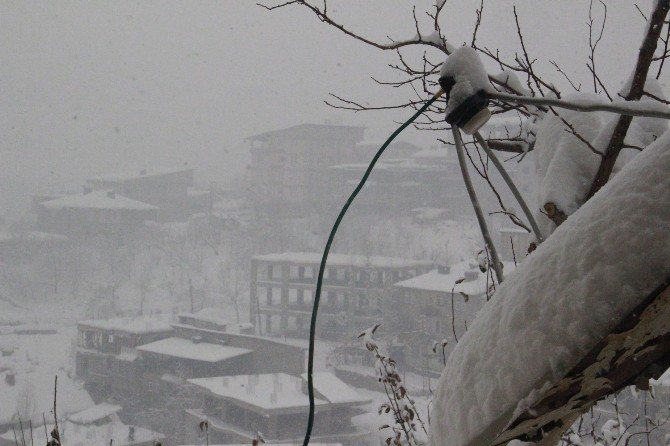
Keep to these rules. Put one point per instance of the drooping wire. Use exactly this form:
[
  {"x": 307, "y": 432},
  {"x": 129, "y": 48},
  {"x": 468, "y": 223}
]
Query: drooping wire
[{"x": 324, "y": 258}]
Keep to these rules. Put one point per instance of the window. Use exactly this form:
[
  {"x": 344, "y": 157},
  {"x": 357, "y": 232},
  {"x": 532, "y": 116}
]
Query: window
[{"x": 309, "y": 272}]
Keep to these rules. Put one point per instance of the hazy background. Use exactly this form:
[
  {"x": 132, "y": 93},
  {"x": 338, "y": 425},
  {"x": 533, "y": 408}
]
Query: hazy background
[{"x": 93, "y": 87}]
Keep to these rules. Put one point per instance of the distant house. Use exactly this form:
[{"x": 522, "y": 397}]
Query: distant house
[
  {"x": 428, "y": 178},
  {"x": 143, "y": 363},
  {"x": 169, "y": 189},
  {"x": 124, "y": 358},
  {"x": 438, "y": 306},
  {"x": 94, "y": 213},
  {"x": 282, "y": 291},
  {"x": 289, "y": 174},
  {"x": 106, "y": 358},
  {"x": 192, "y": 358},
  {"x": 276, "y": 405}
]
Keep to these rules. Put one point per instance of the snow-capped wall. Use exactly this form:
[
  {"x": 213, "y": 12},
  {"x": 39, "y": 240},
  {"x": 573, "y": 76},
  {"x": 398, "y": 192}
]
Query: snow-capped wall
[{"x": 559, "y": 303}]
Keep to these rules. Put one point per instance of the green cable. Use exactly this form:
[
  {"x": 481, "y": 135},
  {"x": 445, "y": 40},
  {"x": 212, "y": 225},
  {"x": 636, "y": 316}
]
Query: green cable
[{"x": 324, "y": 258}]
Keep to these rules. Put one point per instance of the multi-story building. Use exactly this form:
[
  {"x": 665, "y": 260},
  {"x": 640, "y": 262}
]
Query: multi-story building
[
  {"x": 94, "y": 213},
  {"x": 106, "y": 357},
  {"x": 289, "y": 171},
  {"x": 237, "y": 408},
  {"x": 437, "y": 307},
  {"x": 282, "y": 291},
  {"x": 169, "y": 189}
]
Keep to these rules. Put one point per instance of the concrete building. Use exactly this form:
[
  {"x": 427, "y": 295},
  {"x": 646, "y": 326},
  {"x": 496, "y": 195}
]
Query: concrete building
[
  {"x": 93, "y": 213},
  {"x": 437, "y": 306},
  {"x": 168, "y": 189},
  {"x": 276, "y": 405},
  {"x": 289, "y": 171},
  {"x": 106, "y": 359},
  {"x": 282, "y": 291}
]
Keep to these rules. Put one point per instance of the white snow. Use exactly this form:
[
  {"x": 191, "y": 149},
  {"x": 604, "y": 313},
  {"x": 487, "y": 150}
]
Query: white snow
[
  {"x": 198, "y": 351},
  {"x": 133, "y": 175},
  {"x": 444, "y": 283},
  {"x": 560, "y": 302},
  {"x": 270, "y": 392},
  {"x": 279, "y": 391},
  {"x": 335, "y": 390},
  {"x": 99, "y": 199},
  {"x": 566, "y": 166},
  {"x": 94, "y": 413},
  {"x": 73, "y": 434},
  {"x": 509, "y": 78},
  {"x": 314, "y": 258},
  {"x": 35, "y": 360},
  {"x": 135, "y": 325},
  {"x": 465, "y": 67}
]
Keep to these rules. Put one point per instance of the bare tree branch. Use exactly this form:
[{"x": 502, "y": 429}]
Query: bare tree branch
[{"x": 634, "y": 93}]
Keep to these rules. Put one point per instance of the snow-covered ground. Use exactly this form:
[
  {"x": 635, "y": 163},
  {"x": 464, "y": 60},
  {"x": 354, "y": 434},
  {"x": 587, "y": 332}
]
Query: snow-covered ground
[{"x": 34, "y": 360}]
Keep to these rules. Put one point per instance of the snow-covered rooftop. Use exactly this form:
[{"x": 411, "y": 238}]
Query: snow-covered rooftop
[
  {"x": 279, "y": 391},
  {"x": 134, "y": 325},
  {"x": 30, "y": 236},
  {"x": 77, "y": 435},
  {"x": 334, "y": 390},
  {"x": 94, "y": 413},
  {"x": 143, "y": 173},
  {"x": 269, "y": 392},
  {"x": 314, "y": 258},
  {"x": 98, "y": 199},
  {"x": 444, "y": 283},
  {"x": 198, "y": 351},
  {"x": 316, "y": 131},
  {"x": 213, "y": 315}
]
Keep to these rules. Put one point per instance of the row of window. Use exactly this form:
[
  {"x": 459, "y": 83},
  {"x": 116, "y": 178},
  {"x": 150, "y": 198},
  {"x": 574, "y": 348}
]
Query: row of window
[
  {"x": 303, "y": 297},
  {"x": 336, "y": 274}
]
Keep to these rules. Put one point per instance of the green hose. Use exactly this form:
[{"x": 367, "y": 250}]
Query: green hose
[{"x": 324, "y": 258}]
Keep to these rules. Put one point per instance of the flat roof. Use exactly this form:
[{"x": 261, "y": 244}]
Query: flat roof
[
  {"x": 98, "y": 199},
  {"x": 198, "y": 351},
  {"x": 335, "y": 390},
  {"x": 307, "y": 130},
  {"x": 280, "y": 391},
  {"x": 134, "y": 325},
  {"x": 314, "y": 258},
  {"x": 444, "y": 283},
  {"x": 267, "y": 392},
  {"x": 142, "y": 173},
  {"x": 94, "y": 413}
]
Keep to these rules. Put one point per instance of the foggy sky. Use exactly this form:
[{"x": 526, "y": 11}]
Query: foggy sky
[{"x": 95, "y": 87}]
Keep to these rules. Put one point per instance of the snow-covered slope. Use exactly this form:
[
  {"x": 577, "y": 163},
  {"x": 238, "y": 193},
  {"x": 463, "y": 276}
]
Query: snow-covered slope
[{"x": 559, "y": 303}]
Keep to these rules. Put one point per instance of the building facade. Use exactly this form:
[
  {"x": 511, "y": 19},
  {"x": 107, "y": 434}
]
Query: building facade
[{"x": 354, "y": 287}]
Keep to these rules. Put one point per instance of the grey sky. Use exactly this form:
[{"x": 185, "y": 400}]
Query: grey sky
[{"x": 93, "y": 87}]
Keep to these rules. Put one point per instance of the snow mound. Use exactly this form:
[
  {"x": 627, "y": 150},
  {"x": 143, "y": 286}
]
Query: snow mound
[
  {"x": 467, "y": 70},
  {"x": 559, "y": 303}
]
